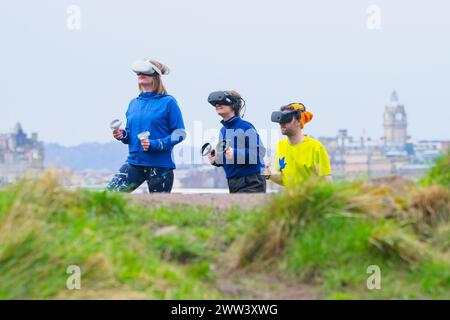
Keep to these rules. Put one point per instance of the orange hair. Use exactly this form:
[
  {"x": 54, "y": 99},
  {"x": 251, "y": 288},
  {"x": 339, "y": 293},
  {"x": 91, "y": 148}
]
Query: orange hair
[{"x": 306, "y": 116}]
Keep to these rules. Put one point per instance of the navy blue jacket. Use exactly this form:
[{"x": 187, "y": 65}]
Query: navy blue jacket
[
  {"x": 160, "y": 115},
  {"x": 247, "y": 147}
]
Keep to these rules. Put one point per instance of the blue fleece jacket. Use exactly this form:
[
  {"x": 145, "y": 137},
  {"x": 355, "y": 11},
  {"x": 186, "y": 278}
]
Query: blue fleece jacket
[
  {"x": 160, "y": 115},
  {"x": 247, "y": 148}
]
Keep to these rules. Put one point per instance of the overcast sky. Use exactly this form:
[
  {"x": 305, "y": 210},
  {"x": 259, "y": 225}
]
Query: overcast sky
[{"x": 68, "y": 84}]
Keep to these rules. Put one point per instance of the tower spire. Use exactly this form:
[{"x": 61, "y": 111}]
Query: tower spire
[{"x": 394, "y": 97}]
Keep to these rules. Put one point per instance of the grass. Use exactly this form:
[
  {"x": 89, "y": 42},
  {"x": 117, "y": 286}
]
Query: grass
[
  {"x": 323, "y": 235},
  {"x": 328, "y": 234},
  {"x": 44, "y": 229},
  {"x": 440, "y": 172}
]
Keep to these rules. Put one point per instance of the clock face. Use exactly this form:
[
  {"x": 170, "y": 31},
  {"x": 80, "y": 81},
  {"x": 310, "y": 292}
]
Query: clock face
[{"x": 398, "y": 116}]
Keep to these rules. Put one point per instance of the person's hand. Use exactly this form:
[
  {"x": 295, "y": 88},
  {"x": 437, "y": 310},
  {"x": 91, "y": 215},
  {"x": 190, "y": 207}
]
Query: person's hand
[
  {"x": 273, "y": 174},
  {"x": 145, "y": 144},
  {"x": 118, "y": 134},
  {"x": 212, "y": 157},
  {"x": 267, "y": 171},
  {"x": 229, "y": 153}
]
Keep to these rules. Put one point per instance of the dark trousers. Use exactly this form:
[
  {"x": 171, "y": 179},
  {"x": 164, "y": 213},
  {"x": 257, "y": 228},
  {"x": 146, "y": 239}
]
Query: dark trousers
[
  {"x": 247, "y": 184},
  {"x": 129, "y": 177}
]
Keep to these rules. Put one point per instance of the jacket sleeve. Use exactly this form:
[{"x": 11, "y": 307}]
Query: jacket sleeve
[
  {"x": 126, "y": 132},
  {"x": 176, "y": 127}
]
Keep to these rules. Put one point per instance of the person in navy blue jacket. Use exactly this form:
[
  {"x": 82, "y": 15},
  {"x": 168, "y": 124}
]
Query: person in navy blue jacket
[
  {"x": 240, "y": 151},
  {"x": 158, "y": 116}
]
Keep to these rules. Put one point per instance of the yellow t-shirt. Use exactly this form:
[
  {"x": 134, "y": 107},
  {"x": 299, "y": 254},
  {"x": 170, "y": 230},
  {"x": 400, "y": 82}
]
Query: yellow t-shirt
[{"x": 300, "y": 161}]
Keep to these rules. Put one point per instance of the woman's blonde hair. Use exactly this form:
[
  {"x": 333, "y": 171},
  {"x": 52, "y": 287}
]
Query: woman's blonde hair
[{"x": 158, "y": 86}]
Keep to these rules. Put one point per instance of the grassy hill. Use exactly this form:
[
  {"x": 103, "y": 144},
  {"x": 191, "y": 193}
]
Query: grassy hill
[{"x": 314, "y": 242}]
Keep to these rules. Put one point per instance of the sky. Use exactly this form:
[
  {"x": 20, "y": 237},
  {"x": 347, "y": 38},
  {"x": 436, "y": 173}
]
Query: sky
[{"x": 68, "y": 78}]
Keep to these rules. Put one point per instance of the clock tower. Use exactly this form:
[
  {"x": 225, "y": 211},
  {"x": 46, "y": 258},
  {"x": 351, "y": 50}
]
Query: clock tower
[{"x": 395, "y": 123}]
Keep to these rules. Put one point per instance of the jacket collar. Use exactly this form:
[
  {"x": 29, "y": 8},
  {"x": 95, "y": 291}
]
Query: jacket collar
[
  {"x": 230, "y": 122},
  {"x": 150, "y": 95}
]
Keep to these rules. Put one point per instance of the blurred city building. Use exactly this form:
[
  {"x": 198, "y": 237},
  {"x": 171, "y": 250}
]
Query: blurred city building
[
  {"x": 393, "y": 154},
  {"x": 20, "y": 154}
]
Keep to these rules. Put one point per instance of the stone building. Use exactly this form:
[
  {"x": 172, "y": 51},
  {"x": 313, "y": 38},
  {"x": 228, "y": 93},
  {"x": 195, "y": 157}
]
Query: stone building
[{"x": 20, "y": 154}]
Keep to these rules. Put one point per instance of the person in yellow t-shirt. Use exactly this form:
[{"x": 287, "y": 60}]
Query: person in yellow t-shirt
[{"x": 298, "y": 156}]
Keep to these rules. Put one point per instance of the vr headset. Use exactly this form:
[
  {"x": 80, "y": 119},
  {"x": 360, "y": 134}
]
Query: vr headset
[
  {"x": 145, "y": 67},
  {"x": 287, "y": 116},
  {"x": 221, "y": 97}
]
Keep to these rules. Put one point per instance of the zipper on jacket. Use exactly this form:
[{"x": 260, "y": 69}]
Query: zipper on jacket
[{"x": 140, "y": 130}]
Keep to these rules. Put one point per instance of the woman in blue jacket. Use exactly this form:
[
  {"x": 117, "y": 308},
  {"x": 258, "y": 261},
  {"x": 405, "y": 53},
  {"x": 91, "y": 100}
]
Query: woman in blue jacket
[{"x": 157, "y": 114}]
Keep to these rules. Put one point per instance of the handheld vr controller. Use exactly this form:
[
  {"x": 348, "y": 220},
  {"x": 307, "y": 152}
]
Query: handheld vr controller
[
  {"x": 221, "y": 147},
  {"x": 115, "y": 124}
]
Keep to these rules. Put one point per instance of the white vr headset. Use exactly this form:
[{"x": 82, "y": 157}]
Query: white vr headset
[{"x": 145, "y": 67}]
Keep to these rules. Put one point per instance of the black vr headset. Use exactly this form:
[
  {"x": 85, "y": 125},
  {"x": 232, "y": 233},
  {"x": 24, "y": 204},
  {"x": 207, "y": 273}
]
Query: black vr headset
[
  {"x": 287, "y": 116},
  {"x": 222, "y": 97}
]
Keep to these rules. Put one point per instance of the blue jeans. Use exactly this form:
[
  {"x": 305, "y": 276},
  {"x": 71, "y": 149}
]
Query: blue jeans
[{"x": 129, "y": 177}]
